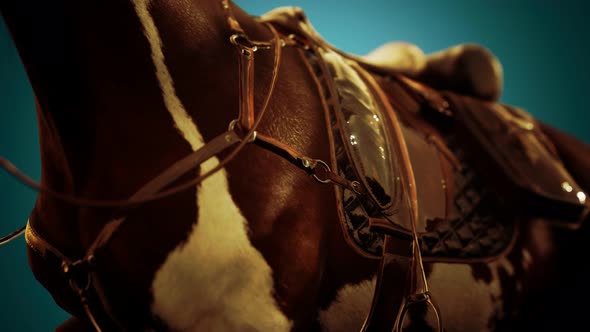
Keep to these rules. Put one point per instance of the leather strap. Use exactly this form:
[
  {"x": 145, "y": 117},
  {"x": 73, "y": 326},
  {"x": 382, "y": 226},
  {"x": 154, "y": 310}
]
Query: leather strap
[
  {"x": 389, "y": 297},
  {"x": 12, "y": 236},
  {"x": 401, "y": 257},
  {"x": 149, "y": 192},
  {"x": 208, "y": 152},
  {"x": 144, "y": 195},
  {"x": 181, "y": 167},
  {"x": 318, "y": 169}
]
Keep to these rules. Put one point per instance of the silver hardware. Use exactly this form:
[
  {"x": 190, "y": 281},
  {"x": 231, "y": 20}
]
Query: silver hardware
[
  {"x": 356, "y": 186},
  {"x": 306, "y": 163},
  {"x": 326, "y": 168},
  {"x": 253, "y": 138}
]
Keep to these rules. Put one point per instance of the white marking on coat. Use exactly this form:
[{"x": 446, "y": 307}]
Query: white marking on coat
[
  {"x": 465, "y": 303},
  {"x": 349, "y": 309},
  {"x": 216, "y": 280}
]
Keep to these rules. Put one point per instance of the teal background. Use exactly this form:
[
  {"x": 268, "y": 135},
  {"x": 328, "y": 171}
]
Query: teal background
[{"x": 543, "y": 46}]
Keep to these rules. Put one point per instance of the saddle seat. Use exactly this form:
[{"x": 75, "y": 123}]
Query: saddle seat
[{"x": 468, "y": 69}]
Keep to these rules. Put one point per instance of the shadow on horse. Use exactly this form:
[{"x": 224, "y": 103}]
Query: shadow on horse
[{"x": 205, "y": 170}]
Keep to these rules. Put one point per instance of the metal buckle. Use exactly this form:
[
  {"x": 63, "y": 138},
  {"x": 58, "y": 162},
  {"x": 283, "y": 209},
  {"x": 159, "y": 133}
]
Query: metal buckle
[
  {"x": 246, "y": 45},
  {"x": 79, "y": 275},
  {"x": 326, "y": 171},
  {"x": 232, "y": 127},
  {"x": 311, "y": 164}
]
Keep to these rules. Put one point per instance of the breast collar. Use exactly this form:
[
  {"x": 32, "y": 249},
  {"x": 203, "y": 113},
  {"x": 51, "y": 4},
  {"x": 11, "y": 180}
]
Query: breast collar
[{"x": 241, "y": 132}]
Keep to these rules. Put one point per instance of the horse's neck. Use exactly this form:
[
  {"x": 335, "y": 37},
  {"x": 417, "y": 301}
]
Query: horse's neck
[{"x": 108, "y": 74}]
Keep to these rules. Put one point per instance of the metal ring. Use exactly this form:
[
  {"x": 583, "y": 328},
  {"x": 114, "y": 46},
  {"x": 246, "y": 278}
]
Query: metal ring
[
  {"x": 232, "y": 125},
  {"x": 242, "y": 41},
  {"x": 356, "y": 186},
  {"x": 326, "y": 168},
  {"x": 81, "y": 290}
]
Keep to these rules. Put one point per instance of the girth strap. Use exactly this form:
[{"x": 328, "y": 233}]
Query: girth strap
[
  {"x": 388, "y": 298},
  {"x": 401, "y": 252},
  {"x": 401, "y": 259}
]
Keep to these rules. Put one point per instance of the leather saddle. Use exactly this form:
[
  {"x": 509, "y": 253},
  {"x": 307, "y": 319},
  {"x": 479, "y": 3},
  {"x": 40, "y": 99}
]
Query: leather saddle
[
  {"x": 437, "y": 175},
  {"x": 478, "y": 165}
]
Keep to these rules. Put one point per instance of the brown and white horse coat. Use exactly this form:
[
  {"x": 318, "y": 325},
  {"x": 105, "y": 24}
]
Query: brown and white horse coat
[{"x": 255, "y": 247}]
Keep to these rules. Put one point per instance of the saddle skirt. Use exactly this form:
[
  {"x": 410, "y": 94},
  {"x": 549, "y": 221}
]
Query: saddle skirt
[{"x": 462, "y": 214}]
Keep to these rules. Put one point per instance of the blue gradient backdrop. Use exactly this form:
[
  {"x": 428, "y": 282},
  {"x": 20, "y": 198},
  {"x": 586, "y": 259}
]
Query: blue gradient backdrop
[{"x": 542, "y": 44}]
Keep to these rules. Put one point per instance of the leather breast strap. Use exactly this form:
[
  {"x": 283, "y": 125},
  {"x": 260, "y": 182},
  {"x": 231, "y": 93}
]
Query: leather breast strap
[
  {"x": 154, "y": 189},
  {"x": 82, "y": 283}
]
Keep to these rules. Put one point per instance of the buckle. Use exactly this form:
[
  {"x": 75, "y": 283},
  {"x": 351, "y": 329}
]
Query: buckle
[
  {"x": 246, "y": 45},
  {"x": 239, "y": 131}
]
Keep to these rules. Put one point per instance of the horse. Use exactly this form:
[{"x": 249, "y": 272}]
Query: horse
[{"x": 257, "y": 244}]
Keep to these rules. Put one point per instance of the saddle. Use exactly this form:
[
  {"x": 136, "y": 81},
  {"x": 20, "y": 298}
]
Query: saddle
[
  {"x": 439, "y": 176},
  {"x": 469, "y": 137}
]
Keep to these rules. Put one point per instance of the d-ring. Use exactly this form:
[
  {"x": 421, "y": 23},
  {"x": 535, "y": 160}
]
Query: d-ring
[
  {"x": 243, "y": 42},
  {"x": 326, "y": 170}
]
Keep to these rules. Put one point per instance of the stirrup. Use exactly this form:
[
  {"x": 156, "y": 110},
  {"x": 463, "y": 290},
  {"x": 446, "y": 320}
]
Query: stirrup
[{"x": 415, "y": 299}]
